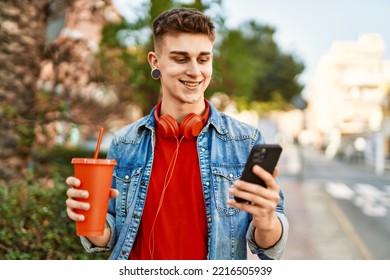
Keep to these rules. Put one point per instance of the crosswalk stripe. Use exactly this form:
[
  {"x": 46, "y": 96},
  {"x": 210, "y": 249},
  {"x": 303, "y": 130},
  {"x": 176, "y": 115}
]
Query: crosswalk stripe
[
  {"x": 370, "y": 199},
  {"x": 339, "y": 190},
  {"x": 368, "y": 190}
]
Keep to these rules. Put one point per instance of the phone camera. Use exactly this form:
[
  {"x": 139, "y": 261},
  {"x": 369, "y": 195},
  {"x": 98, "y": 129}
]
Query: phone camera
[{"x": 259, "y": 156}]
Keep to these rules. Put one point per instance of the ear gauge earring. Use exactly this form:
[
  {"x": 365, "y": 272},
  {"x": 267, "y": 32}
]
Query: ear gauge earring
[{"x": 156, "y": 74}]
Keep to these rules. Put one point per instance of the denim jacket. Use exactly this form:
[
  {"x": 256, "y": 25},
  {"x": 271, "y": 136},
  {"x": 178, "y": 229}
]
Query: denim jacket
[{"x": 223, "y": 147}]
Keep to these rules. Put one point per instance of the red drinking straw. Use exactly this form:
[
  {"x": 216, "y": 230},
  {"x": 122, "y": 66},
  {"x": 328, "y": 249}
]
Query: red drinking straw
[{"x": 95, "y": 155}]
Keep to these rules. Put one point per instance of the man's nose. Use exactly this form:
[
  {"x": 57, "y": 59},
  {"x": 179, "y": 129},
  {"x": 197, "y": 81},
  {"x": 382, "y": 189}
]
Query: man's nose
[{"x": 193, "y": 68}]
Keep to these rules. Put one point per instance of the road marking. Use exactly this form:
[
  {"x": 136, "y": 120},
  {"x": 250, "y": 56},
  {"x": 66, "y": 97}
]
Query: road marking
[
  {"x": 386, "y": 198},
  {"x": 371, "y": 200},
  {"x": 368, "y": 190},
  {"x": 339, "y": 190},
  {"x": 350, "y": 231},
  {"x": 370, "y": 207}
]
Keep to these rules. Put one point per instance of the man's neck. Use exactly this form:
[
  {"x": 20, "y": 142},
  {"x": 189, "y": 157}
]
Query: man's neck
[{"x": 180, "y": 110}]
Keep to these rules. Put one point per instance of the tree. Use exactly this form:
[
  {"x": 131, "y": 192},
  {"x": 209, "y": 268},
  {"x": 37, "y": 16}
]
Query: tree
[
  {"x": 22, "y": 37},
  {"x": 28, "y": 103},
  {"x": 251, "y": 67}
]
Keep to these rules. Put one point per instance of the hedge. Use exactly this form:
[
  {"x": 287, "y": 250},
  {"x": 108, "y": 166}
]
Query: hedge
[{"x": 33, "y": 220}]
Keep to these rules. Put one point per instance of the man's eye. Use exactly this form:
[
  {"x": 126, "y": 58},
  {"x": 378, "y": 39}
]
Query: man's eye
[
  {"x": 203, "y": 59},
  {"x": 180, "y": 59}
]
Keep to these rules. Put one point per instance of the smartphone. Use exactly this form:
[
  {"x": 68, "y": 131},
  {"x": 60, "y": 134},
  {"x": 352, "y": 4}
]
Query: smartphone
[{"x": 264, "y": 155}]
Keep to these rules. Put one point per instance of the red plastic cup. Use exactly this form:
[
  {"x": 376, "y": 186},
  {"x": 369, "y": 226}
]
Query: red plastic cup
[{"x": 96, "y": 177}]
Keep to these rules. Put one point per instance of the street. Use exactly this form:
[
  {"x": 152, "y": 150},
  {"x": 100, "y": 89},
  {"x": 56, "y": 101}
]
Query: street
[{"x": 337, "y": 210}]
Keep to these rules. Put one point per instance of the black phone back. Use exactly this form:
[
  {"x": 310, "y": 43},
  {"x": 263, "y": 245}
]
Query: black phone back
[{"x": 264, "y": 155}]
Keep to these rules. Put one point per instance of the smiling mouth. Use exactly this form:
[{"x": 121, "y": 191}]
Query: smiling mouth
[{"x": 190, "y": 84}]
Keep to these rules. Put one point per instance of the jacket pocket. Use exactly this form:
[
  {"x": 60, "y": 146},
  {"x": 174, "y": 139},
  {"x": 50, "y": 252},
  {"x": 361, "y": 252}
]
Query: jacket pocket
[
  {"x": 223, "y": 178},
  {"x": 127, "y": 180}
]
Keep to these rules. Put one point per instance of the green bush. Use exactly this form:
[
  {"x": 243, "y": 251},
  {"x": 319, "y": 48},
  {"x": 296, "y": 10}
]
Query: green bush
[
  {"x": 33, "y": 220},
  {"x": 58, "y": 160}
]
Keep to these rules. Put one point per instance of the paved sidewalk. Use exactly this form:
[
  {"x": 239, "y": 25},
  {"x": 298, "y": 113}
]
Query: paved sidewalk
[{"x": 318, "y": 230}]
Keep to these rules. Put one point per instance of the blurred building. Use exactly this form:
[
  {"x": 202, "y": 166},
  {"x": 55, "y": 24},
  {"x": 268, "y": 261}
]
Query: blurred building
[
  {"x": 348, "y": 110},
  {"x": 75, "y": 32}
]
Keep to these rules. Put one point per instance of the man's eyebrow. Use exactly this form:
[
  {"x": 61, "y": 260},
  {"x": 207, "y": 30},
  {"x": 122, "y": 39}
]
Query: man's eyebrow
[{"x": 186, "y": 53}]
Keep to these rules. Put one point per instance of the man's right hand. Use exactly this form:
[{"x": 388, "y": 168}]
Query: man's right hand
[
  {"x": 74, "y": 193},
  {"x": 72, "y": 204}
]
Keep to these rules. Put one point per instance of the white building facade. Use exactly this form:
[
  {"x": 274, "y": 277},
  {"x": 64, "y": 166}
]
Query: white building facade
[{"x": 348, "y": 99}]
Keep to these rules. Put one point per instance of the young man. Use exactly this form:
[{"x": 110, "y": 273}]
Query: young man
[{"x": 178, "y": 167}]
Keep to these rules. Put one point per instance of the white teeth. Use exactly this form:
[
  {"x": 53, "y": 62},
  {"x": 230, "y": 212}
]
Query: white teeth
[{"x": 190, "y": 84}]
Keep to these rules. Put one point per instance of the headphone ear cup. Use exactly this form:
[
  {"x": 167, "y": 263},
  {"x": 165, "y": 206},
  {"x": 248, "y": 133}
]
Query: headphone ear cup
[
  {"x": 168, "y": 127},
  {"x": 191, "y": 125}
]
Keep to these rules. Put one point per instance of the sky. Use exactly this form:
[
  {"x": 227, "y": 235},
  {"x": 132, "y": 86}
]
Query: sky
[{"x": 306, "y": 28}]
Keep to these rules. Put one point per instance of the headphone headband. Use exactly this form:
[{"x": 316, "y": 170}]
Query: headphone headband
[{"x": 190, "y": 127}]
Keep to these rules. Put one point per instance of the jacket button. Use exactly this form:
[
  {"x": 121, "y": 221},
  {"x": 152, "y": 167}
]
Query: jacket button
[
  {"x": 123, "y": 252},
  {"x": 127, "y": 177},
  {"x": 135, "y": 216},
  {"x": 207, "y": 183},
  {"x": 209, "y": 219}
]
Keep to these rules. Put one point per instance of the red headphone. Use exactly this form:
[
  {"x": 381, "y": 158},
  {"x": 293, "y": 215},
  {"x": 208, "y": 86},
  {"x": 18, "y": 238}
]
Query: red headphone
[{"x": 190, "y": 127}]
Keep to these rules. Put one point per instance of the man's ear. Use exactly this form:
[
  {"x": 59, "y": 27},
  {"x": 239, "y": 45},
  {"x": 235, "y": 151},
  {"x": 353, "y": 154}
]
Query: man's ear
[{"x": 153, "y": 60}]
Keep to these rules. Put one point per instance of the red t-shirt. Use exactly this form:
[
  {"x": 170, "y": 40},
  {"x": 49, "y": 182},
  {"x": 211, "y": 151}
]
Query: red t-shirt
[{"x": 179, "y": 232}]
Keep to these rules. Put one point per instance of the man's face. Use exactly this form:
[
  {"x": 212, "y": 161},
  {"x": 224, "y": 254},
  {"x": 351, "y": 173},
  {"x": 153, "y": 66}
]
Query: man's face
[{"x": 185, "y": 62}]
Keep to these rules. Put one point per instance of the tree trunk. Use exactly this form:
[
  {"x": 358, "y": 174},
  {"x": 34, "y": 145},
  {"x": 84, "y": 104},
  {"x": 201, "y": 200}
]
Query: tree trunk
[{"x": 22, "y": 41}]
